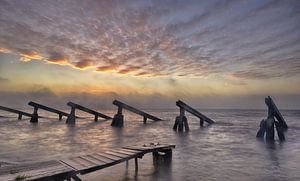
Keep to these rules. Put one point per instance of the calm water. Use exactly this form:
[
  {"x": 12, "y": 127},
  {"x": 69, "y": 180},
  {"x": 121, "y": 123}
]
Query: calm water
[{"x": 227, "y": 150}]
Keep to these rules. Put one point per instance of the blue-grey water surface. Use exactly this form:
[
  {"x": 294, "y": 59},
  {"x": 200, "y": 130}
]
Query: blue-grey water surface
[{"x": 227, "y": 150}]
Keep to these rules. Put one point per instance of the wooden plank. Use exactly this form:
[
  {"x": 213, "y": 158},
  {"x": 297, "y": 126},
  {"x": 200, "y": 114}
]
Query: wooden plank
[
  {"x": 99, "y": 159},
  {"x": 136, "y": 111},
  {"x": 111, "y": 157},
  {"x": 120, "y": 155},
  {"x": 193, "y": 111},
  {"x": 85, "y": 109},
  {"x": 277, "y": 114},
  {"x": 75, "y": 163},
  {"x": 138, "y": 148},
  {"x": 40, "y": 106},
  {"x": 126, "y": 152},
  {"x": 92, "y": 161}
]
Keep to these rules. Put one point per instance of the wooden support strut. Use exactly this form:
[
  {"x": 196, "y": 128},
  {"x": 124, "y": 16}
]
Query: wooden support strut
[
  {"x": 46, "y": 108},
  {"x": 274, "y": 110},
  {"x": 181, "y": 120},
  {"x": 193, "y": 111},
  {"x": 71, "y": 117},
  {"x": 20, "y": 113},
  {"x": 119, "y": 118}
]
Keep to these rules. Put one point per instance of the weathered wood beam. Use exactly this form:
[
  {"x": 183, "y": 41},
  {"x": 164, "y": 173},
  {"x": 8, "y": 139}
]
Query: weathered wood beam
[
  {"x": 274, "y": 110},
  {"x": 71, "y": 118},
  {"x": 20, "y": 113},
  {"x": 193, "y": 111},
  {"x": 135, "y": 110},
  {"x": 40, "y": 106},
  {"x": 85, "y": 109}
]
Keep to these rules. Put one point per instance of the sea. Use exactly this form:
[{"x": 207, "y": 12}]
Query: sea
[{"x": 226, "y": 150}]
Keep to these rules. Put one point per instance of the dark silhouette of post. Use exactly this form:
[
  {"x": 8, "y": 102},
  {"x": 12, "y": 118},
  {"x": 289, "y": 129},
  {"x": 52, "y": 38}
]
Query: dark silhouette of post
[
  {"x": 267, "y": 125},
  {"x": 71, "y": 118},
  {"x": 118, "y": 119},
  {"x": 36, "y": 106},
  {"x": 20, "y": 113},
  {"x": 181, "y": 120}
]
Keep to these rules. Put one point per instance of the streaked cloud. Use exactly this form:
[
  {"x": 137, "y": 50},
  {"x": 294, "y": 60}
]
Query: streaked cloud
[{"x": 247, "y": 39}]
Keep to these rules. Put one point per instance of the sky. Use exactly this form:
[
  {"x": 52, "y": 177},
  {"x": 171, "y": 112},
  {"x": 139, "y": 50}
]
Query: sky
[{"x": 150, "y": 53}]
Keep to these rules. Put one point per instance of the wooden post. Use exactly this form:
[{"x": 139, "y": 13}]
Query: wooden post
[
  {"x": 262, "y": 129},
  {"x": 145, "y": 120},
  {"x": 201, "y": 122},
  {"x": 71, "y": 118},
  {"x": 60, "y": 116},
  {"x": 270, "y": 129},
  {"x": 34, "y": 118},
  {"x": 96, "y": 118},
  {"x": 20, "y": 116},
  {"x": 181, "y": 121},
  {"x": 280, "y": 131},
  {"x": 118, "y": 120},
  {"x": 136, "y": 164}
]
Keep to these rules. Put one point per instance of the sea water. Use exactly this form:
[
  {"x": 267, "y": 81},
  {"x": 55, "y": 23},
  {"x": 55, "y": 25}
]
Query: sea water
[{"x": 227, "y": 150}]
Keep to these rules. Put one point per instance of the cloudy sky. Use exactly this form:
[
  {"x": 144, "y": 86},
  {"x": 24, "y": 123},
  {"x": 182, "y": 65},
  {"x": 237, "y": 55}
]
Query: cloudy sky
[{"x": 212, "y": 54}]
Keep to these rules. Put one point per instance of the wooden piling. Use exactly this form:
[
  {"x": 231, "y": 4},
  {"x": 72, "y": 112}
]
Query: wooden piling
[
  {"x": 36, "y": 106},
  {"x": 262, "y": 129},
  {"x": 181, "y": 120},
  {"x": 136, "y": 164},
  {"x": 118, "y": 119},
  {"x": 34, "y": 118},
  {"x": 20, "y": 113},
  {"x": 71, "y": 118},
  {"x": 267, "y": 126}
]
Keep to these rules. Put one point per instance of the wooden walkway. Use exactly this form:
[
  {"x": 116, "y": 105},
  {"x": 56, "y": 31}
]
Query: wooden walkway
[{"x": 70, "y": 168}]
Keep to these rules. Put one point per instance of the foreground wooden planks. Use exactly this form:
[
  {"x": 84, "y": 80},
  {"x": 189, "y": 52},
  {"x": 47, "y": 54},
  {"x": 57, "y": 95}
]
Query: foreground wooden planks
[
  {"x": 71, "y": 167},
  {"x": 96, "y": 161},
  {"x": 44, "y": 171}
]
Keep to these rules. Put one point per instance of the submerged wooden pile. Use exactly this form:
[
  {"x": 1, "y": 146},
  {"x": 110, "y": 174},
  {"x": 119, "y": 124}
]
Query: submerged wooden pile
[
  {"x": 181, "y": 120},
  {"x": 119, "y": 118},
  {"x": 117, "y": 121},
  {"x": 267, "y": 125},
  {"x": 72, "y": 167}
]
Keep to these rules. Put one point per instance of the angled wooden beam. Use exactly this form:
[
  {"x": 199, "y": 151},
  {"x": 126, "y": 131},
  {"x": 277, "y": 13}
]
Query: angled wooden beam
[
  {"x": 118, "y": 118},
  {"x": 71, "y": 117},
  {"x": 273, "y": 111},
  {"x": 135, "y": 110},
  {"x": 193, "y": 111},
  {"x": 20, "y": 113},
  {"x": 46, "y": 108}
]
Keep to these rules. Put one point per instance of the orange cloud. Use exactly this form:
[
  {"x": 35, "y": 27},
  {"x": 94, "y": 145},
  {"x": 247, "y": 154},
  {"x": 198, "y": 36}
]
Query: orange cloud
[
  {"x": 4, "y": 50},
  {"x": 28, "y": 55},
  {"x": 84, "y": 64},
  {"x": 58, "y": 58},
  {"x": 106, "y": 68}
]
